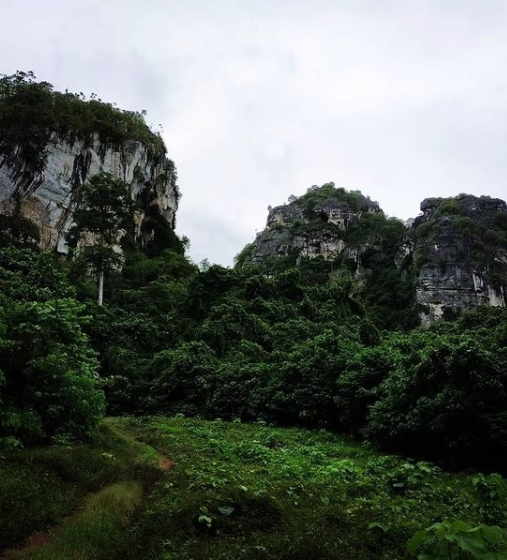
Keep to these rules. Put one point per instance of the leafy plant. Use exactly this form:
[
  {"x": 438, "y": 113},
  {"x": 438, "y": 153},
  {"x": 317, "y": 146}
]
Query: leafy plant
[
  {"x": 492, "y": 493},
  {"x": 205, "y": 517},
  {"x": 453, "y": 540},
  {"x": 410, "y": 476}
]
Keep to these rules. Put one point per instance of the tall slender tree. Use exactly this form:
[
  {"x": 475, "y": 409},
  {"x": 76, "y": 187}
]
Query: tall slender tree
[{"x": 103, "y": 216}]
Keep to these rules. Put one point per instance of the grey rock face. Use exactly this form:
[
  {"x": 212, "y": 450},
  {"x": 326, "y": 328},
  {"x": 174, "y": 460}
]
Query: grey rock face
[
  {"x": 463, "y": 258},
  {"x": 280, "y": 242},
  {"x": 280, "y": 237},
  {"x": 48, "y": 198},
  {"x": 455, "y": 251}
]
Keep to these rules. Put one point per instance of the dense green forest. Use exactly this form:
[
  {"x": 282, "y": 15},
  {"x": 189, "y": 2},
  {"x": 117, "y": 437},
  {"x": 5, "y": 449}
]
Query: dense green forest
[{"x": 291, "y": 348}]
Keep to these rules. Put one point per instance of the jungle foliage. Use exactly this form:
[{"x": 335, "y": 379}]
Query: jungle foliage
[
  {"x": 290, "y": 341},
  {"x": 49, "y": 385},
  {"x": 238, "y": 343}
]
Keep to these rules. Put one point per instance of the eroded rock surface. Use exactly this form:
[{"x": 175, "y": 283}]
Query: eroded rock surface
[
  {"x": 48, "y": 197},
  {"x": 461, "y": 252},
  {"x": 450, "y": 258},
  {"x": 310, "y": 228}
]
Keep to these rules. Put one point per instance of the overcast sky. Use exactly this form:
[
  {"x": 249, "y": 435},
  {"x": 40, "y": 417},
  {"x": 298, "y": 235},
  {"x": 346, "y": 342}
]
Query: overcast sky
[{"x": 260, "y": 99}]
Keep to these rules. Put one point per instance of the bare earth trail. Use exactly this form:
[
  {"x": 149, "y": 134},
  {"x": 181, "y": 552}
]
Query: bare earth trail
[{"x": 39, "y": 540}]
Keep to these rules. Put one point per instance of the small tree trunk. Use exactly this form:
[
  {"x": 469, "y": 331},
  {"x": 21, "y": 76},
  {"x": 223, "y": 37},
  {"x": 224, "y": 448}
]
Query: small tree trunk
[{"x": 101, "y": 285}]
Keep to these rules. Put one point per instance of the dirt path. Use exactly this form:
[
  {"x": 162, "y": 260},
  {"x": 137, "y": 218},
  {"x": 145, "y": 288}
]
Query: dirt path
[
  {"x": 41, "y": 538},
  {"x": 164, "y": 463}
]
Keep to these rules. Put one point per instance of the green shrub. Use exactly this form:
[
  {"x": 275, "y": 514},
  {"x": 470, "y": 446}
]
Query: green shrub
[
  {"x": 492, "y": 495},
  {"x": 445, "y": 399},
  {"x": 448, "y": 207},
  {"x": 457, "y": 539},
  {"x": 49, "y": 386}
]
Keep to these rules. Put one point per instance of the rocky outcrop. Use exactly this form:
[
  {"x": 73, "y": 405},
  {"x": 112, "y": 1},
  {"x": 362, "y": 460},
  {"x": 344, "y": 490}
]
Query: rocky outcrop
[
  {"x": 451, "y": 258},
  {"x": 311, "y": 226},
  {"x": 48, "y": 197},
  {"x": 460, "y": 248},
  {"x": 331, "y": 230}
]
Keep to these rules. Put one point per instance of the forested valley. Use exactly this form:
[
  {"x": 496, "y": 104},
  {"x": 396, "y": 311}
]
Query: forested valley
[{"x": 282, "y": 408}]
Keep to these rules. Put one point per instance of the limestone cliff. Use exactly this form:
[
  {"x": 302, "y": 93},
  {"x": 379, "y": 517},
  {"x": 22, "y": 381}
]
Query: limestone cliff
[
  {"x": 460, "y": 247},
  {"x": 331, "y": 230},
  {"x": 48, "y": 197},
  {"x": 313, "y": 225},
  {"x": 449, "y": 259},
  {"x": 51, "y": 143}
]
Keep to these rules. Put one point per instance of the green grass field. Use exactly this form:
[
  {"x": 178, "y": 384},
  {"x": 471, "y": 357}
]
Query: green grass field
[{"x": 235, "y": 491}]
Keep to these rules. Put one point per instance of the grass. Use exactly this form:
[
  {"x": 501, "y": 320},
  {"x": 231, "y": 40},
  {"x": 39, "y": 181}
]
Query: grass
[
  {"x": 96, "y": 531},
  {"x": 39, "y": 487},
  {"x": 248, "y": 491}
]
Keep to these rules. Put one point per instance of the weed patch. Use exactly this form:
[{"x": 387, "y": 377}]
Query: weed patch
[{"x": 249, "y": 491}]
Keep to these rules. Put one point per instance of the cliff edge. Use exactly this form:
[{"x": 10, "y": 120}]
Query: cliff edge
[{"x": 51, "y": 143}]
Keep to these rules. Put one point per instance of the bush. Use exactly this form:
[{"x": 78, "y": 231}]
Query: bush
[
  {"x": 49, "y": 386},
  {"x": 179, "y": 377},
  {"x": 446, "y": 399}
]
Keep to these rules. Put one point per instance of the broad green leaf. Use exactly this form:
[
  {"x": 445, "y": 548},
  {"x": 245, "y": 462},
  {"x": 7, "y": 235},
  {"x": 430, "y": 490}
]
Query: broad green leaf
[
  {"x": 491, "y": 535},
  {"x": 461, "y": 525},
  {"x": 384, "y": 526},
  {"x": 417, "y": 540},
  {"x": 469, "y": 543},
  {"x": 205, "y": 520},
  {"x": 225, "y": 510}
]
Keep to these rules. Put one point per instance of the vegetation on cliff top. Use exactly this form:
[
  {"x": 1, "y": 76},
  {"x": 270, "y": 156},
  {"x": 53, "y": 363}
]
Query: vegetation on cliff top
[
  {"x": 354, "y": 201},
  {"x": 31, "y": 112}
]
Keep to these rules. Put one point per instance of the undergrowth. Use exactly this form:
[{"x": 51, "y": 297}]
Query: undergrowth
[
  {"x": 249, "y": 491},
  {"x": 96, "y": 531},
  {"x": 241, "y": 491}
]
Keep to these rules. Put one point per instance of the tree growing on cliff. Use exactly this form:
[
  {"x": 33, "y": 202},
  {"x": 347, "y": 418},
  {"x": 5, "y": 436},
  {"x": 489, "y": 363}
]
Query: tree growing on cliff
[{"x": 103, "y": 216}]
